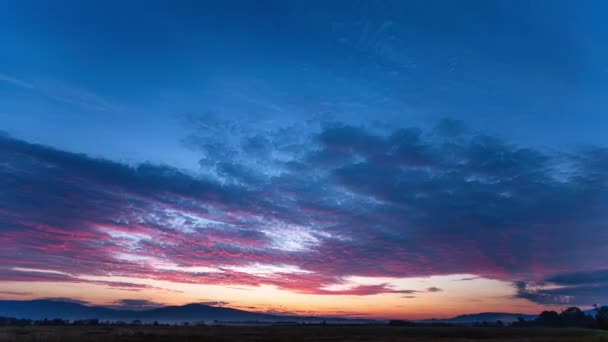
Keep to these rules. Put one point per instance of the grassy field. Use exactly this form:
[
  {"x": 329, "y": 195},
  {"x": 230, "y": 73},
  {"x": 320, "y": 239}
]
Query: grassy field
[{"x": 294, "y": 334}]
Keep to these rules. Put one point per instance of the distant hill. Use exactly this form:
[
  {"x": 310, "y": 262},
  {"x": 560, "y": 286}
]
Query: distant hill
[
  {"x": 481, "y": 317},
  {"x": 40, "y": 309},
  {"x": 46, "y": 308}
]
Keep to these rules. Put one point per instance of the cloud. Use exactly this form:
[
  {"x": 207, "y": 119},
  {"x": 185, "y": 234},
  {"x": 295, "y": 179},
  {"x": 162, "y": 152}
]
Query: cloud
[
  {"x": 15, "y": 293},
  {"x": 433, "y": 289},
  {"x": 450, "y": 128},
  {"x": 362, "y": 290},
  {"x": 312, "y": 206},
  {"x": 15, "y": 81},
  {"x": 66, "y": 299},
  {"x": 468, "y": 278},
  {"x": 575, "y": 288},
  {"x": 580, "y": 278},
  {"x": 135, "y": 304},
  {"x": 64, "y": 93},
  {"x": 215, "y": 303}
]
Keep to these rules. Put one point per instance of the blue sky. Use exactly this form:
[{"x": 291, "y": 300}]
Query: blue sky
[
  {"x": 531, "y": 71},
  {"x": 312, "y": 107}
]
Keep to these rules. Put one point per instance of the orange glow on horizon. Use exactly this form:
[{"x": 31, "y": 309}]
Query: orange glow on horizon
[{"x": 456, "y": 297}]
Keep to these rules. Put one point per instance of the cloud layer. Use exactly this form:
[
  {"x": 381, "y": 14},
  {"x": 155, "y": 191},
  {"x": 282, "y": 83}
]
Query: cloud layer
[{"x": 305, "y": 208}]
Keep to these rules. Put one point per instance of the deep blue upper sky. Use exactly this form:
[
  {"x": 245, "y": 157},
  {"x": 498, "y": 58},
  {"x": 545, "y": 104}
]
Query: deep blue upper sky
[
  {"x": 129, "y": 73},
  {"x": 407, "y": 132}
]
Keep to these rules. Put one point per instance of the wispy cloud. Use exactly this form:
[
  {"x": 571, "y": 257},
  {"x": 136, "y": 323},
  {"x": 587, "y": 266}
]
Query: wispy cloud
[
  {"x": 75, "y": 96},
  {"x": 15, "y": 293},
  {"x": 15, "y": 81},
  {"x": 61, "y": 92}
]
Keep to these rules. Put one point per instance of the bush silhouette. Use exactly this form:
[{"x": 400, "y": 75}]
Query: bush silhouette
[
  {"x": 601, "y": 317},
  {"x": 548, "y": 318}
]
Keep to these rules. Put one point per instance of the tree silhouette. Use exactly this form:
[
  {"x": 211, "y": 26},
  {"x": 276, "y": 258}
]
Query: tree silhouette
[
  {"x": 548, "y": 318},
  {"x": 601, "y": 317},
  {"x": 576, "y": 317}
]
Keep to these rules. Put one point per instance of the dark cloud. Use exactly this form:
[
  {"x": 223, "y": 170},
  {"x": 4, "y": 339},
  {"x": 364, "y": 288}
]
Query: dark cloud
[
  {"x": 433, "y": 289},
  {"x": 580, "y": 278},
  {"x": 577, "y": 288},
  {"x": 280, "y": 312},
  {"x": 333, "y": 200},
  {"x": 257, "y": 145},
  {"x": 135, "y": 304},
  {"x": 450, "y": 128},
  {"x": 66, "y": 299},
  {"x": 349, "y": 139},
  {"x": 409, "y": 291},
  {"x": 215, "y": 303},
  {"x": 468, "y": 278}
]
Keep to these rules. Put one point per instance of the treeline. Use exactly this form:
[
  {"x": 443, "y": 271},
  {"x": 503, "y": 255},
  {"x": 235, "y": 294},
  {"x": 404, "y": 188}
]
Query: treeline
[
  {"x": 11, "y": 321},
  {"x": 571, "y": 317},
  {"x": 55, "y": 321}
]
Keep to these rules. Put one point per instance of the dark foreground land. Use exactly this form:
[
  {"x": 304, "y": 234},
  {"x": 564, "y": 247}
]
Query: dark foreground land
[{"x": 295, "y": 333}]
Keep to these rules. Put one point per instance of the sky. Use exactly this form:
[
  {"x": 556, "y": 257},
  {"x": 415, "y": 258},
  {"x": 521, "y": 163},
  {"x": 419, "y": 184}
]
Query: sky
[{"x": 382, "y": 159}]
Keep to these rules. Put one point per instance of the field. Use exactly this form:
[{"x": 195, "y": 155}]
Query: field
[{"x": 295, "y": 333}]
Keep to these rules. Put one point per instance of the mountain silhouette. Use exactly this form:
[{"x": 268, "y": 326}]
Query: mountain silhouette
[
  {"x": 40, "y": 309},
  {"x": 44, "y": 308}
]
